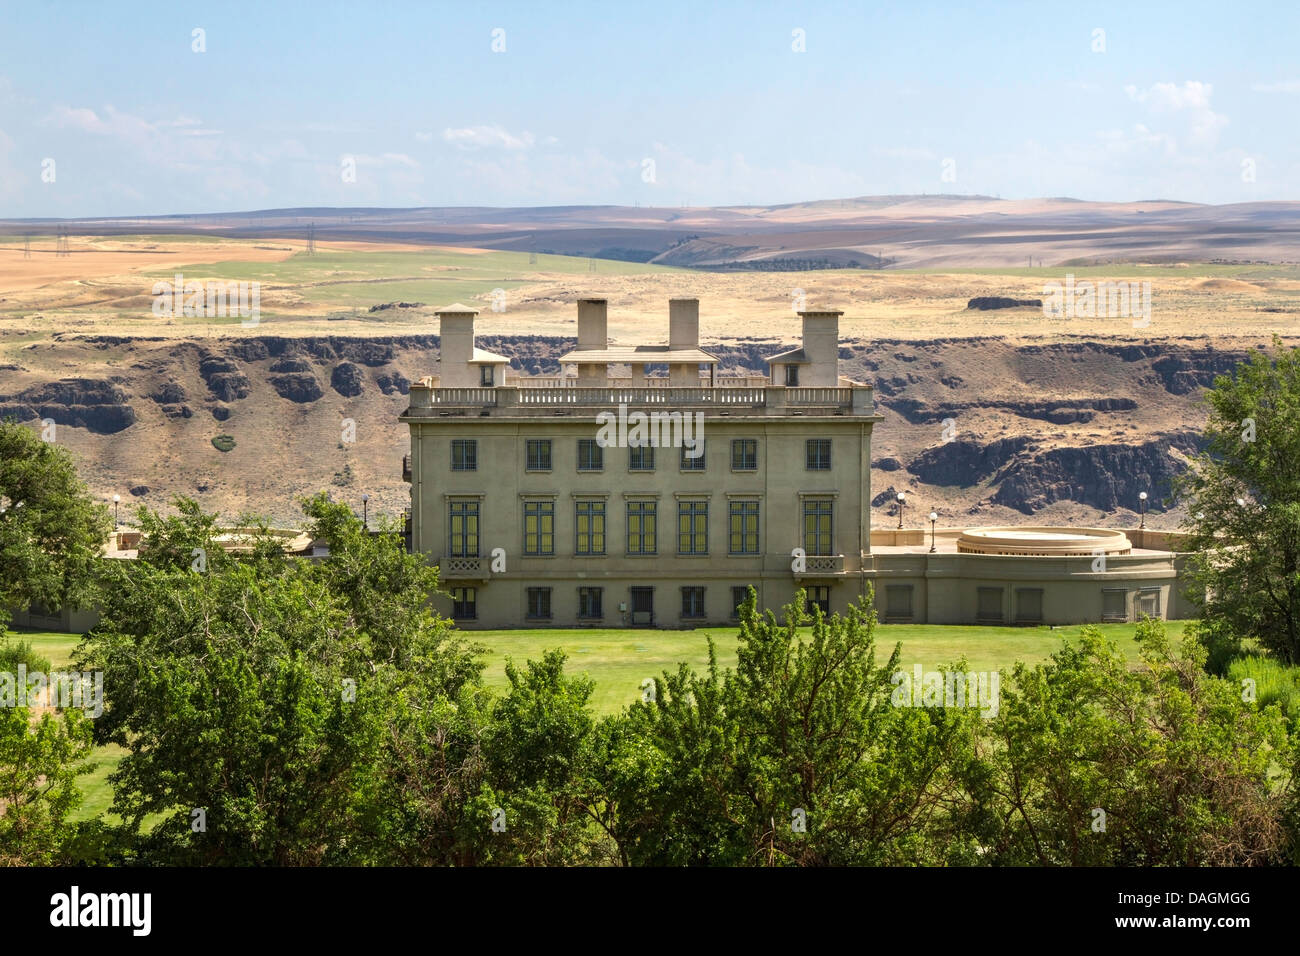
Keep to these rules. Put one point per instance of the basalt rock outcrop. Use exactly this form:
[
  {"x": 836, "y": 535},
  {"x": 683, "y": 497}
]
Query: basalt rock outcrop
[{"x": 97, "y": 405}]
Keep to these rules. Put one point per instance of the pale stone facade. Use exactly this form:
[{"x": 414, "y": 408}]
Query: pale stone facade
[{"x": 539, "y": 512}]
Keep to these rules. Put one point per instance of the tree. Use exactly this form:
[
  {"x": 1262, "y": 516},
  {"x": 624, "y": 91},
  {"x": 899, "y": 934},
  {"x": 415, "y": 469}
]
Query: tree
[
  {"x": 1093, "y": 763},
  {"x": 39, "y": 763},
  {"x": 800, "y": 756},
  {"x": 1243, "y": 498},
  {"x": 52, "y": 532},
  {"x": 260, "y": 696}
]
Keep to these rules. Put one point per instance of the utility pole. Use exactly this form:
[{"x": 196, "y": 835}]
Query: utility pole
[{"x": 311, "y": 239}]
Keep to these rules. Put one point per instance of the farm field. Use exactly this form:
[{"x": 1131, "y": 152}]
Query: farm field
[{"x": 105, "y": 287}]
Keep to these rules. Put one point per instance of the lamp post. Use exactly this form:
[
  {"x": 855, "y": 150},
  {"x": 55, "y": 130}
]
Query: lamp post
[
  {"x": 116, "y": 500},
  {"x": 1142, "y": 504},
  {"x": 365, "y": 512},
  {"x": 934, "y": 516},
  {"x": 901, "y": 501}
]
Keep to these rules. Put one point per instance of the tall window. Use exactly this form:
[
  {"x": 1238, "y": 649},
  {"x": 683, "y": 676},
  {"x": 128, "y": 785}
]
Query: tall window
[
  {"x": 819, "y": 454},
  {"x": 464, "y": 604},
  {"x": 485, "y": 376},
  {"x": 539, "y": 454},
  {"x": 539, "y": 527},
  {"x": 818, "y": 597},
  {"x": 693, "y": 602},
  {"x": 462, "y": 524},
  {"x": 792, "y": 376},
  {"x": 692, "y": 527},
  {"x": 692, "y": 456},
  {"x": 590, "y": 522},
  {"x": 818, "y": 522},
  {"x": 744, "y": 454},
  {"x": 641, "y": 458},
  {"x": 591, "y": 457},
  {"x": 539, "y": 604},
  {"x": 641, "y": 517},
  {"x": 743, "y": 527},
  {"x": 589, "y": 601},
  {"x": 464, "y": 454}
]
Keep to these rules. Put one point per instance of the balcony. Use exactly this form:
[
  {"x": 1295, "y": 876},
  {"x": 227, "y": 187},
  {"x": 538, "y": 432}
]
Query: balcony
[
  {"x": 431, "y": 402},
  {"x": 821, "y": 566},
  {"x": 463, "y": 569}
]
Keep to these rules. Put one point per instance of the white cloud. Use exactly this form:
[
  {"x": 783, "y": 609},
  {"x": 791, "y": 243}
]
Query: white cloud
[
  {"x": 1191, "y": 100},
  {"x": 487, "y": 137}
]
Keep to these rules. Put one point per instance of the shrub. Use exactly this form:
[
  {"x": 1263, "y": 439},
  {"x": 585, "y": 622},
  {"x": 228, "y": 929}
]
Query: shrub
[
  {"x": 223, "y": 443},
  {"x": 13, "y": 653},
  {"x": 1275, "y": 683}
]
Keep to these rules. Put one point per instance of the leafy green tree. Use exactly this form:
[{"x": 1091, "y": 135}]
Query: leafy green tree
[
  {"x": 534, "y": 805},
  {"x": 800, "y": 756},
  {"x": 1093, "y": 763},
  {"x": 1243, "y": 496},
  {"x": 51, "y": 531},
  {"x": 39, "y": 763},
  {"x": 259, "y": 696}
]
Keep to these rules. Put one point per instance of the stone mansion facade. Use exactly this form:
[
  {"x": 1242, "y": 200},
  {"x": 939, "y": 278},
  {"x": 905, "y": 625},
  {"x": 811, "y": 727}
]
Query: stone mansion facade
[{"x": 648, "y": 490}]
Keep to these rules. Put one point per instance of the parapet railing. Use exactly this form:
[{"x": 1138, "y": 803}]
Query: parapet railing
[{"x": 858, "y": 398}]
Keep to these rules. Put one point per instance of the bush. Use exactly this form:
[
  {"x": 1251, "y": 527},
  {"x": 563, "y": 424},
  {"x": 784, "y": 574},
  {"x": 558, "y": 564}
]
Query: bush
[
  {"x": 13, "y": 653},
  {"x": 1222, "y": 646},
  {"x": 223, "y": 442},
  {"x": 1275, "y": 683}
]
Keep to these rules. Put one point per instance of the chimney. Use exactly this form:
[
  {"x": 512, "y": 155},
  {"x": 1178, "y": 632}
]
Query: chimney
[
  {"x": 821, "y": 343},
  {"x": 683, "y": 323},
  {"x": 593, "y": 324},
  {"x": 456, "y": 346}
]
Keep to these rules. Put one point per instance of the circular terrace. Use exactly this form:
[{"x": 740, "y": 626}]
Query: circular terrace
[{"x": 1043, "y": 542}]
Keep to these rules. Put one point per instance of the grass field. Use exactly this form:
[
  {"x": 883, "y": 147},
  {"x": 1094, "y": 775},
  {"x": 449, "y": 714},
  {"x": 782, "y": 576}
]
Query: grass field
[{"x": 619, "y": 660}]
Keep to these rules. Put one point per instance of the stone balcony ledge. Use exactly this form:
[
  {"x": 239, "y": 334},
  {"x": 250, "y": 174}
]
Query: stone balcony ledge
[{"x": 429, "y": 402}]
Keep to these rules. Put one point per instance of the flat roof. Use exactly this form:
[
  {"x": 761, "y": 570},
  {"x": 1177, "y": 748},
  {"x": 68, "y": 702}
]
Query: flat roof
[{"x": 638, "y": 355}]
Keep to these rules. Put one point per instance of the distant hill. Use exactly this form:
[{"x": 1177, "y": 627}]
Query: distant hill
[{"x": 868, "y": 232}]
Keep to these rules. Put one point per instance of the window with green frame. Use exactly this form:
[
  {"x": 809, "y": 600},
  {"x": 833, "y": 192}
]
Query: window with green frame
[
  {"x": 744, "y": 454},
  {"x": 641, "y": 521},
  {"x": 692, "y": 527},
  {"x": 464, "y": 454},
  {"x": 539, "y": 527},
  {"x": 462, "y": 525},
  {"x": 818, "y": 524},
  {"x": 539, "y": 454},
  {"x": 641, "y": 458},
  {"x": 742, "y": 528},
  {"x": 692, "y": 455},
  {"x": 591, "y": 457},
  {"x": 590, "y": 524}
]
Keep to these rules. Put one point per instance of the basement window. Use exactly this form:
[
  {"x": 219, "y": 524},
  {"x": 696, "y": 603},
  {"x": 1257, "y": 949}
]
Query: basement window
[
  {"x": 988, "y": 608},
  {"x": 1029, "y": 605},
  {"x": 1114, "y": 604},
  {"x": 898, "y": 602}
]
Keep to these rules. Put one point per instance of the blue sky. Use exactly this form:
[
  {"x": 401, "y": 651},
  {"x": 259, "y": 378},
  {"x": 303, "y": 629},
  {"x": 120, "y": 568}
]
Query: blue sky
[{"x": 1187, "y": 101}]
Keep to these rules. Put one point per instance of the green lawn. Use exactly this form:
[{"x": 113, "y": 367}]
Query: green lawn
[{"x": 619, "y": 660}]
